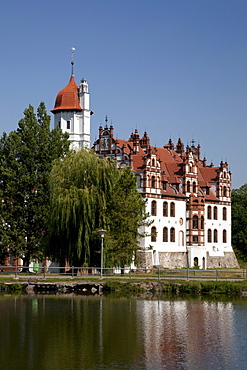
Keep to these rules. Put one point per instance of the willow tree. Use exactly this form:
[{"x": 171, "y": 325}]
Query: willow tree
[
  {"x": 89, "y": 193},
  {"x": 80, "y": 186}
]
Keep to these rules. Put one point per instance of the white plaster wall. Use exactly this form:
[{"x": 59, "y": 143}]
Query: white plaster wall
[
  {"x": 217, "y": 249},
  {"x": 160, "y": 222}
]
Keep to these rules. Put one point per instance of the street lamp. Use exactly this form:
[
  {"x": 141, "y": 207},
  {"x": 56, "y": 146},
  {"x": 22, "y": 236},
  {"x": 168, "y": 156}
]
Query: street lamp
[{"x": 102, "y": 234}]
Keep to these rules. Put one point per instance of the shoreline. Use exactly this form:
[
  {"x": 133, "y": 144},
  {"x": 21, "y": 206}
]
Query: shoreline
[{"x": 123, "y": 286}]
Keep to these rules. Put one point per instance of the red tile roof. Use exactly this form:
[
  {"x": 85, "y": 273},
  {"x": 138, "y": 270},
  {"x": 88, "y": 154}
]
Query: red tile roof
[{"x": 68, "y": 98}]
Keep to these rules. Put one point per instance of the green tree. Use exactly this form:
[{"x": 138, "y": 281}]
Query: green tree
[
  {"x": 84, "y": 199},
  {"x": 239, "y": 221},
  {"x": 26, "y": 157}
]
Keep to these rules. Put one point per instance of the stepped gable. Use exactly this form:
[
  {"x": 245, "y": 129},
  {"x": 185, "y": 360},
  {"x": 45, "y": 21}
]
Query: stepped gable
[{"x": 68, "y": 98}]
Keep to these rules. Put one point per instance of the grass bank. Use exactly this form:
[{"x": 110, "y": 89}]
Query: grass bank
[{"x": 178, "y": 287}]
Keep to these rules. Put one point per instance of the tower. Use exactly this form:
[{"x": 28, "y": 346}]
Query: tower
[{"x": 72, "y": 111}]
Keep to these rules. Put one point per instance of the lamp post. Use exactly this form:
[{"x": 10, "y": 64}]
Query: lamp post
[{"x": 102, "y": 234}]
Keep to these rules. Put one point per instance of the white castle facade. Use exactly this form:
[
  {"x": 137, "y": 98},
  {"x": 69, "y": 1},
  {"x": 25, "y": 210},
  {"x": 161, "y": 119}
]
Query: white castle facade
[{"x": 188, "y": 200}]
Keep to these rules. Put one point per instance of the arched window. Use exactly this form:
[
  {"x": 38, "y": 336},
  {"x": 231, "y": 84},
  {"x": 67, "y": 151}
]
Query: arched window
[
  {"x": 209, "y": 212},
  {"x": 215, "y": 213},
  {"x": 215, "y": 236},
  {"x": 153, "y": 234},
  {"x": 194, "y": 187},
  {"x": 209, "y": 236},
  {"x": 172, "y": 209},
  {"x": 153, "y": 181},
  {"x": 224, "y": 214},
  {"x": 195, "y": 222},
  {"x": 153, "y": 162},
  {"x": 224, "y": 236},
  {"x": 188, "y": 186},
  {"x": 153, "y": 208},
  {"x": 165, "y": 209},
  {"x": 172, "y": 235},
  {"x": 202, "y": 222},
  {"x": 224, "y": 191},
  {"x": 165, "y": 234},
  {"x": 138, "y": 181}
]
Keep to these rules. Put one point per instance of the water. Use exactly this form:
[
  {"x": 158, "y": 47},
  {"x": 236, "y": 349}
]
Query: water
[{"x": 77, "y": 332}]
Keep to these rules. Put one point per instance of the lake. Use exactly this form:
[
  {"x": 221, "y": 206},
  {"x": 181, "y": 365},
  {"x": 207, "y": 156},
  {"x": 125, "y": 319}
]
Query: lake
[{"x": 81, "y": 332}]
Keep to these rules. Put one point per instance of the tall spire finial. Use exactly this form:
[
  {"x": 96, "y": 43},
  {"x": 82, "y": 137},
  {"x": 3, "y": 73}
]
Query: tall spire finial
[{"x": 72, "y": 61}]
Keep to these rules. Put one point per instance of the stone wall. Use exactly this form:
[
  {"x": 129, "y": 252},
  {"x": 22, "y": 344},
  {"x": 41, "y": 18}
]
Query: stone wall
[
  {"x": 229, "y": 260},
  {"x": 169, "y": 260},
  {"x": 173, "y": 260},
  {"x": 145, "y": 260}
]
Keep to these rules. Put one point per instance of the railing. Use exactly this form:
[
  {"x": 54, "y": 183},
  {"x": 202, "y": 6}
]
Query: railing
[{"x": 94, "y": 272}]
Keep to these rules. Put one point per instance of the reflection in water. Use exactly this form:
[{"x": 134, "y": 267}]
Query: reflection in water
[
  {"x": 187, "y": 334},
  {"x": 50, "y": 332}
]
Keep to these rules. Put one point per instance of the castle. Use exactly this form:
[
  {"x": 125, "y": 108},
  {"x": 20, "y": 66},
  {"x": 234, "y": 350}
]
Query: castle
[{"x": 188, "y": 200}]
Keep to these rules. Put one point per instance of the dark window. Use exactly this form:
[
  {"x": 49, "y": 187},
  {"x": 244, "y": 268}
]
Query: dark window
[
  {"x": 172, "y": 235},
  {"x": 209, "y": 236},
  {"x": 224, "y": 191},
  {"x": 165, "y": 209},
  {"x": 164, "y": 185},
  {"x": 202, "y": 222},
  {"x": 172, "y": 209},
  {"x": 215, "y": 213},
  {"x": 224, "y": 214},
  {"x": 165, "y": 234},
  {"x": 153, "y": 208},
  {"x": 209, "y": 212},
  {"x": 195, "y": 222},
  {"x": 215, "y": 236},
  {"x": 153, "y": 182},
  {"x": 194, "y": 187},
  {"x": 195, "y": 239},
  {"x": 188, "y": 186},
  {"x": 153, "y": 234},
  {"x": 68, "y": 125},
  {"x": 224, "y": 236}
]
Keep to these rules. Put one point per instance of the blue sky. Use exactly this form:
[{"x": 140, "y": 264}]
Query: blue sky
[{"x": 170, "y": 67}]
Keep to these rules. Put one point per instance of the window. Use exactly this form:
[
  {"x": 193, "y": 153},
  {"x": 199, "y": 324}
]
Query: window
[
  {"x": 153, "y": 162},
  {"x": 195, "y": 222},
  {"x": 188, "y": 186},
  {"x": 153, "y": 182},
  {"x": 59, "y": 124},
  {"x": 209, "y": 236},
  {"x": 138, "y": 181},
  {"x": 153, "y": 234},
  {"x": 195, "y": 239},
  {"x": 224, "y": 236},
  {"x": 172, "y": 209},
  {"x": 215, "y": 236},
  {"x": 172, "y": 235},
  {"x": 165, "y": 209},
  {"x": 194, "y": 187},
  {"x": 153, "y": 208},
  {"x": 165, "y": 234},
  {"x": 209, "y": 212},
  {"x": 164, "y": 185},
  {"x": 215, "y": 213},
  {"x": 224, "y": 191},
  {"x": 68, "y": 125},
  {"x": 202, "y": 222},
  {"x": 224, "y": 214}
]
